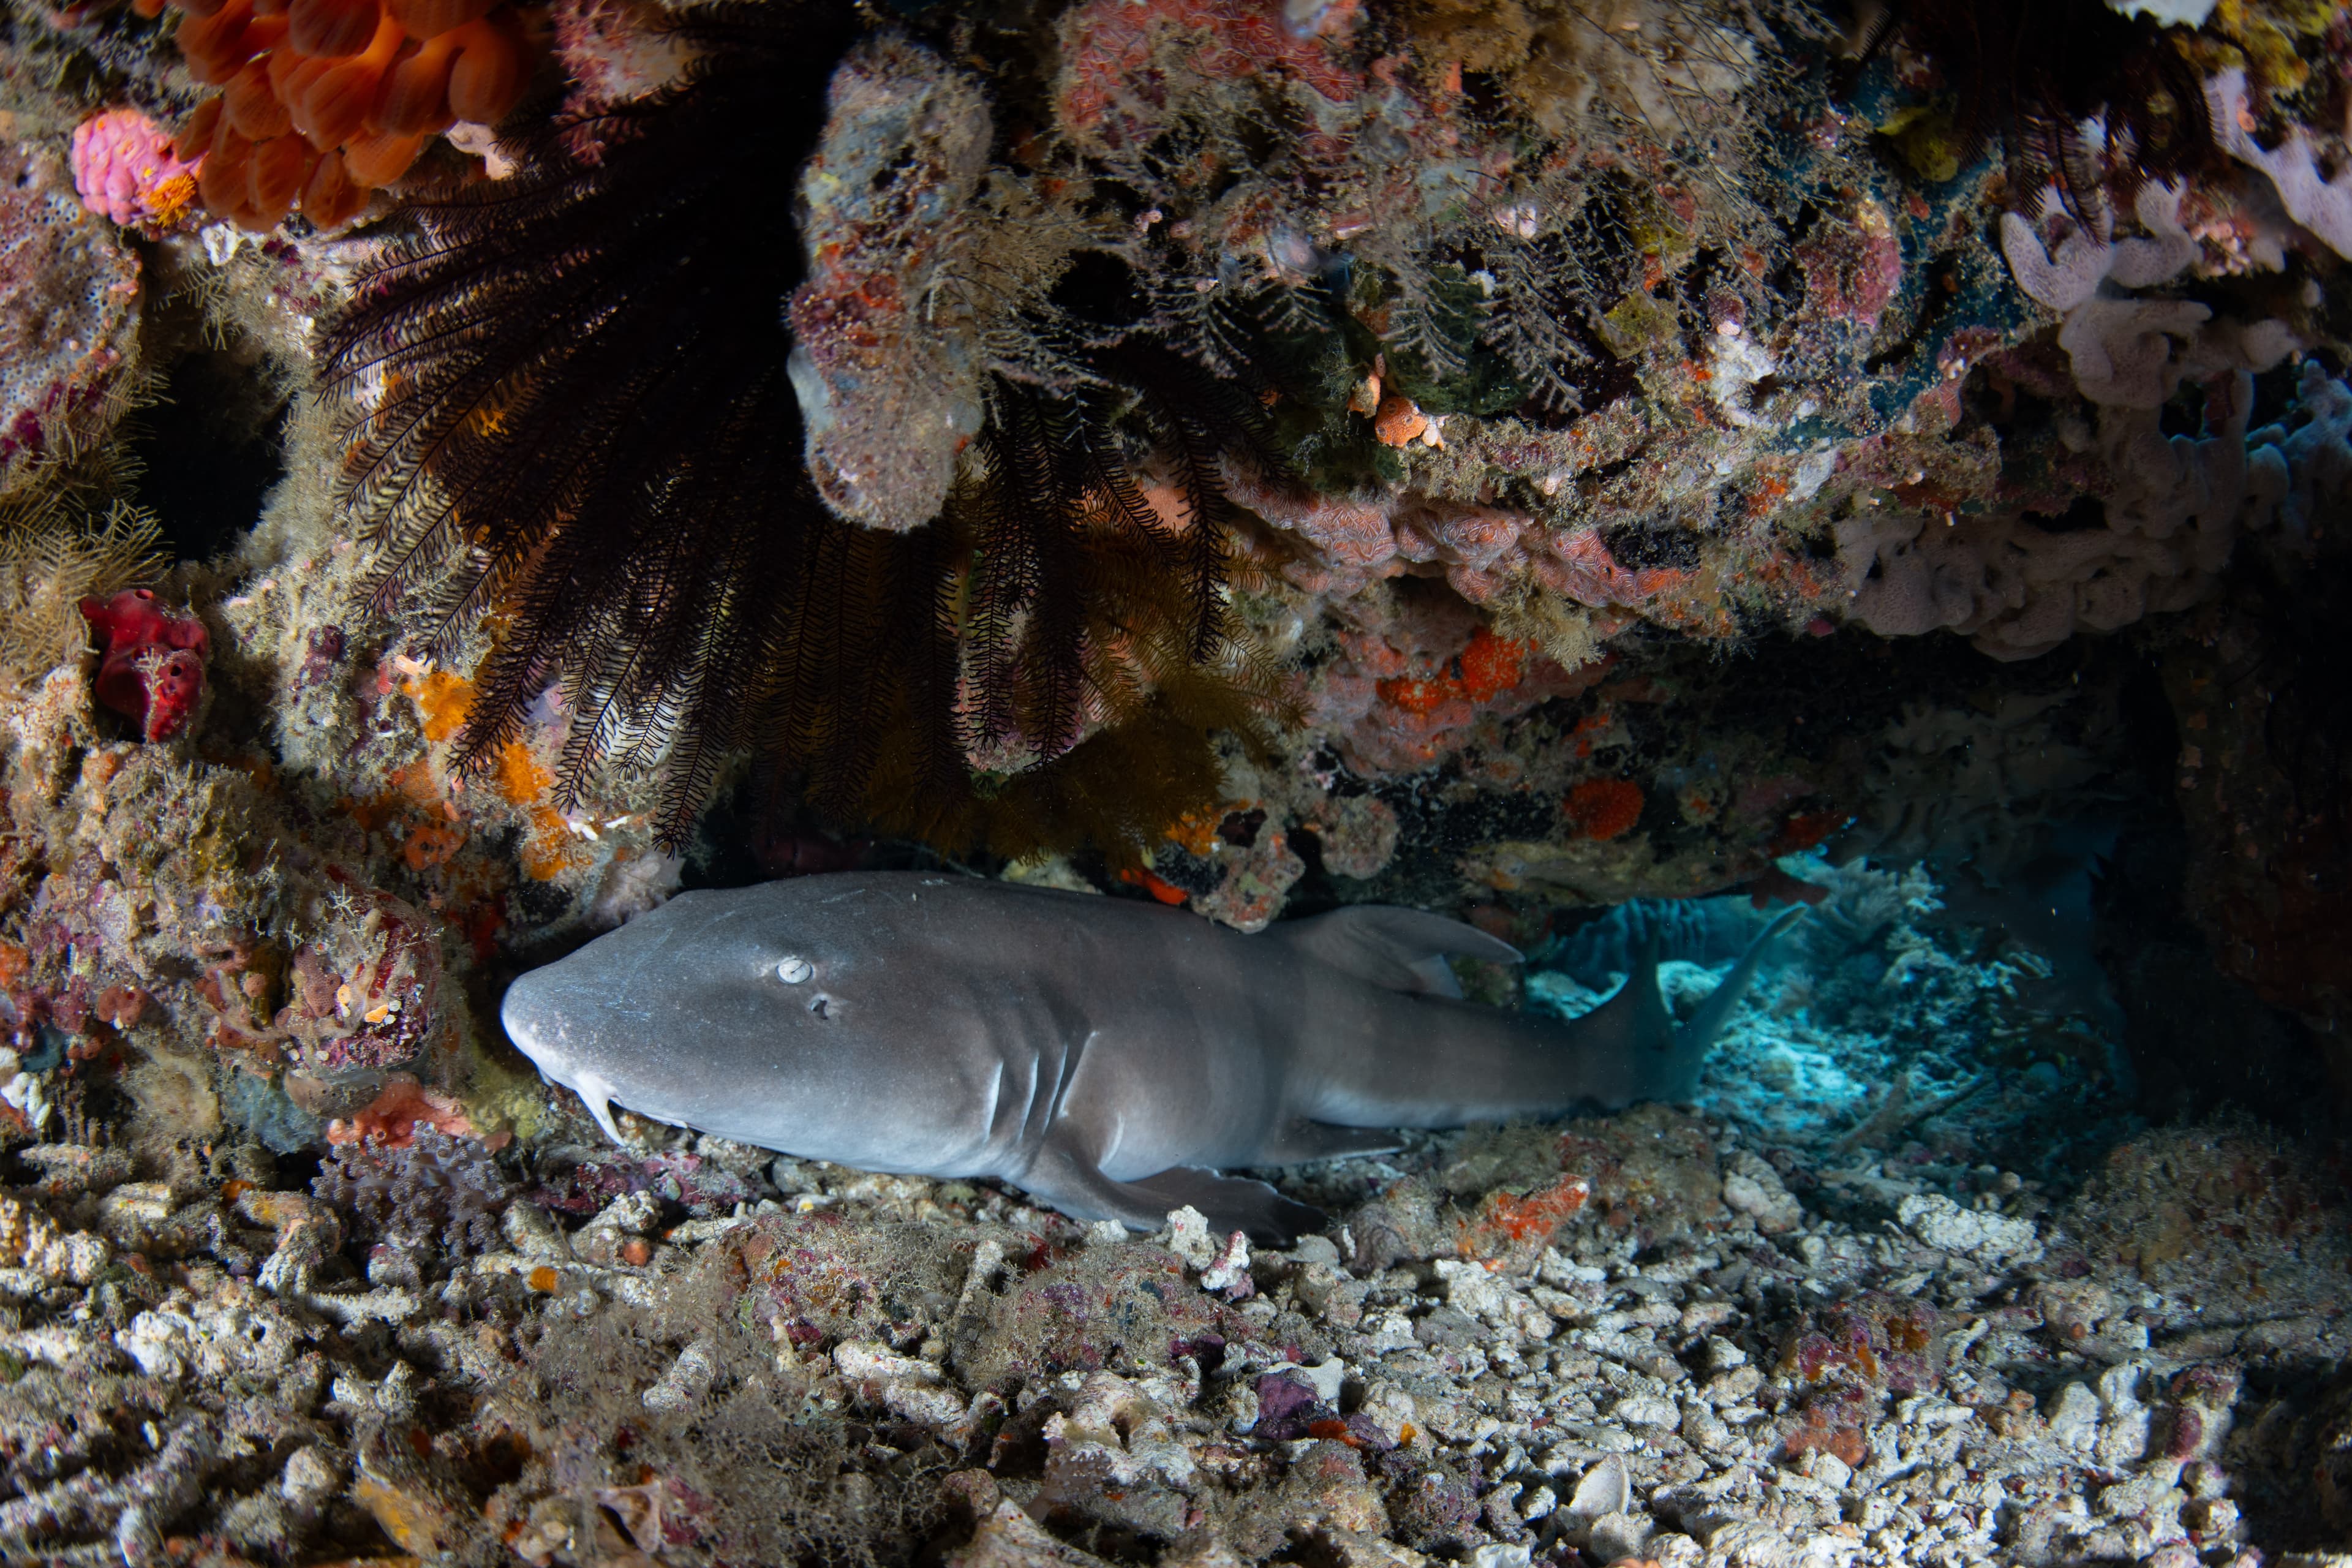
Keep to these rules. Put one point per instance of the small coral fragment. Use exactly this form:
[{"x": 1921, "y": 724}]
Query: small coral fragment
[{"x": 153, "y": 667}]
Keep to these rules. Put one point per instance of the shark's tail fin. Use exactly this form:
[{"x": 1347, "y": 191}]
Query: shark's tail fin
[
  {"x": 1636, "y": 1014},
  {"x": 1690, "y": 1041}
]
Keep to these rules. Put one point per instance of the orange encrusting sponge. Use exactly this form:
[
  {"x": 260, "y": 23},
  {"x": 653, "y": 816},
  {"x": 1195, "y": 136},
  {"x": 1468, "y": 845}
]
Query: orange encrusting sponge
[{"x": 322, "y": 102}]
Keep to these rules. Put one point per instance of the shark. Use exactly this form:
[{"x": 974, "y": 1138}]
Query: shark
[{"x": 1114, "y": 1060}]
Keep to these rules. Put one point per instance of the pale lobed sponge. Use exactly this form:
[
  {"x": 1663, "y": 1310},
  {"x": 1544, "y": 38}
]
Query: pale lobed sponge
[
  {"x": 921, "y": 261},
  {"x": 887, "y": 392},
  {"x": 2174, "y": 510}
]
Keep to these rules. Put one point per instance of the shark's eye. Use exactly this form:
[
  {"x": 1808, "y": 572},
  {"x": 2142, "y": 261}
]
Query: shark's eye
[
  {"x": 822, "y": 1006},
  {"x": 795, "y": 970}
]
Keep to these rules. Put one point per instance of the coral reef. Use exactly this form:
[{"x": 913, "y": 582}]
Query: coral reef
[
  {"x": 1562, "y": 334},
  {"x": 1595, "y": 471}
]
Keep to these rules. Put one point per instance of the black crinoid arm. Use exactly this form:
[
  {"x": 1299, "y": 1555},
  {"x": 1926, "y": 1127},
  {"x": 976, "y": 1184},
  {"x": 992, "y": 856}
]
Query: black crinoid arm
[
  {"x": 2033, "y": 74},
  {"x": 571, "y": 408}
]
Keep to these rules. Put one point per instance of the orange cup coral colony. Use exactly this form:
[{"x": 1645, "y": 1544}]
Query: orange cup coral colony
[{"x": 322, "y": 101}]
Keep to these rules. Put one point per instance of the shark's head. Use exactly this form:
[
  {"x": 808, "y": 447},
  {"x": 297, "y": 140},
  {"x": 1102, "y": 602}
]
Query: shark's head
[{"x": 727, "y": 1013}]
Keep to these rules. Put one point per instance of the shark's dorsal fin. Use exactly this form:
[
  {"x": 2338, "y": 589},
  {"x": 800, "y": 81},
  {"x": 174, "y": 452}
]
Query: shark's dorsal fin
[{"x": 1402, "y": 949}]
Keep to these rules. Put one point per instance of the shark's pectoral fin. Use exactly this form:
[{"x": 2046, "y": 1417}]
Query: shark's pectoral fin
[
  {"x": 1072, "y": 1183},
  {"x": 1304, "y": 1140}
]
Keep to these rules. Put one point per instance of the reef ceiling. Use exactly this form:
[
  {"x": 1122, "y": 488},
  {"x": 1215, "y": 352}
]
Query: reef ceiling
[{"x": 1505, "y": 454}]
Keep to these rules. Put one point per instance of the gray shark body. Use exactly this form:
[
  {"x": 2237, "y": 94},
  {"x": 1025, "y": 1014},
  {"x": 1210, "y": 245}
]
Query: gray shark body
[{"x": 1110, "y": 1057}]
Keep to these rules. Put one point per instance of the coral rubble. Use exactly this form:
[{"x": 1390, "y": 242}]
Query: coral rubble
[{"x": 902, "y": 1365}]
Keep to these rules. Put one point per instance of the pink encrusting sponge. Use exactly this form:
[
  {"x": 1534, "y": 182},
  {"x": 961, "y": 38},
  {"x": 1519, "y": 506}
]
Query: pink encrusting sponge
[{"x": 125, "y": 168}]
